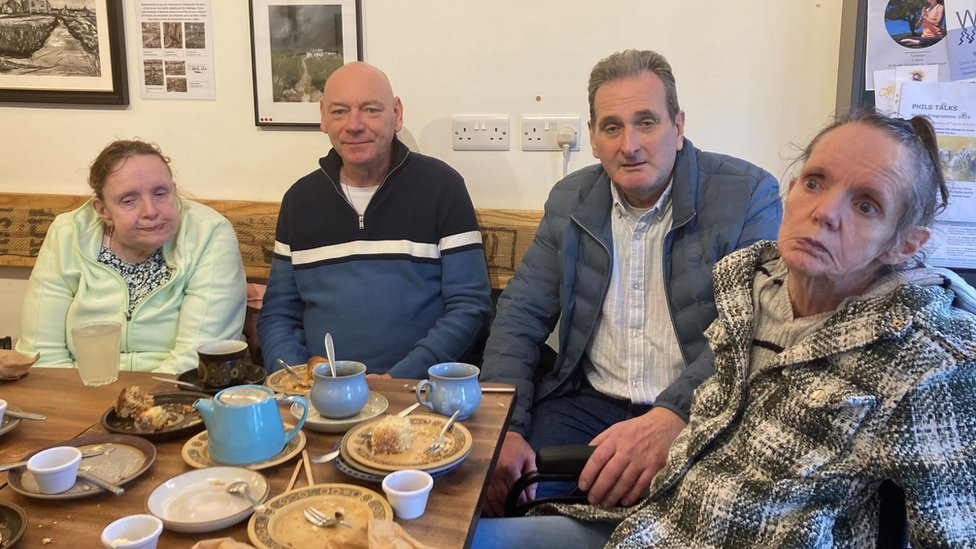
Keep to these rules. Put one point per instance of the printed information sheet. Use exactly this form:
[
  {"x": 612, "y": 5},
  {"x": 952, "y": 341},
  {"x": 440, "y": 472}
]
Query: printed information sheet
[
  {"x": 176, "y": 49},
  {"x": 952, "y": 109}
]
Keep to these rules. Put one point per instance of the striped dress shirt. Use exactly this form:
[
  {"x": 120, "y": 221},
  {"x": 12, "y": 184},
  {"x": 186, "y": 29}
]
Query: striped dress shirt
[{"x": 634, "y": 352}]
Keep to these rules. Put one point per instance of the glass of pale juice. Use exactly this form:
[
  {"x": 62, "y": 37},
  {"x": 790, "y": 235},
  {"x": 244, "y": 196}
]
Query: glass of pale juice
[{"x": 96, "y": 348}]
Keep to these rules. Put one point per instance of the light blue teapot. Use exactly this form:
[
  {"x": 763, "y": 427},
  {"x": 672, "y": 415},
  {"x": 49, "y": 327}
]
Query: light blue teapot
[{"x": 244, "y": 424}]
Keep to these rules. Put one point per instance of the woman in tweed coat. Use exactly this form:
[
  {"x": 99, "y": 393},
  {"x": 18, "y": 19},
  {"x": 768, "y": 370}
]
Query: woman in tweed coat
[{"x": 841, "y": 361}]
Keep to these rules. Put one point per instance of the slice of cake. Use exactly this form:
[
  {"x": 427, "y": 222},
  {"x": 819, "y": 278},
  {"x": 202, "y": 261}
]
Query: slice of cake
[
  {"x": 152, "y": 419},
  {"x": 132, "y": 402},
  {"x": 391, "y": 435}
]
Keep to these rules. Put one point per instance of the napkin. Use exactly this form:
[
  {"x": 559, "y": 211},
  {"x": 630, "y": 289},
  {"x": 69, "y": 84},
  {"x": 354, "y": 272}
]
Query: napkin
[
  {"x": 221, "y": 543},
  {"x": 15, "y": 365},
  {"x": 386, "y": 533}
]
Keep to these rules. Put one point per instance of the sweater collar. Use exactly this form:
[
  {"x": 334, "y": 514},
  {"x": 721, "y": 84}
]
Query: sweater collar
[
  {"x": 887, "y": 310},
  {"x": 332, "y": 162}
]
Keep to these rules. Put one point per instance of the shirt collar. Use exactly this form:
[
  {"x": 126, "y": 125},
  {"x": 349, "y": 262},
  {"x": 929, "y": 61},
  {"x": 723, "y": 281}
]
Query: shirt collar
[{"x": 623, "y": 208}]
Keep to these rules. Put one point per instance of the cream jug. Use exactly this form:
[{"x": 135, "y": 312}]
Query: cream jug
[{"x": 244, "y": 424}]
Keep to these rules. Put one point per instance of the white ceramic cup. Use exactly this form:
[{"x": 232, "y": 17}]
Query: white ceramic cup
[
  {"x": 55, "y": 469},
  {"x": 407, "y": 491},
  {"x": 133, "y": 532},
  {"x": 3, "y": 409}
]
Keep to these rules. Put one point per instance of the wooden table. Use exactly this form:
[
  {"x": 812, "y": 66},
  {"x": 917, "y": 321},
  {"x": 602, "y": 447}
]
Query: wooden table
[{"x": 73, "y": 410}]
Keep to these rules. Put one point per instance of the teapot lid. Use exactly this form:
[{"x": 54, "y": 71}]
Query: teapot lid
[{"x": 244, "y": 395}]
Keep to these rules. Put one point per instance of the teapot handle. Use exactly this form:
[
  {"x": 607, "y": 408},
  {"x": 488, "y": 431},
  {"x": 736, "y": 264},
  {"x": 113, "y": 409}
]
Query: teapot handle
[{"x": 297, "y": 400}]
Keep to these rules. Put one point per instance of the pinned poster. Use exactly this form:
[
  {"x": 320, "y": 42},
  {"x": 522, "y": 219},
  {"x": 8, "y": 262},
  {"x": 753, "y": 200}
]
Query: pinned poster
[
  {"x": 961, "y": 38},
  {"x": 176, "y": 49},
  {"x": 951, "y": 106},
  {"x": 905, "y": 32}
]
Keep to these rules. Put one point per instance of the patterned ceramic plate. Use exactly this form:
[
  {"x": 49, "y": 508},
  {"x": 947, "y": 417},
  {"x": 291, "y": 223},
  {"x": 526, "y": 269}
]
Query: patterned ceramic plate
[
  {"x": 9, "y": 423},
  {"x": 376, "y": 405},
  {"x": 187, "y": 420},
  {"x": 361, "y": 472},
  {"x": 282, "y": 524},
  {"x": 356, "y": 446},
  {"x": 124, "y": 458},
  {"x": 196, "y": 452},
  {"x": 283, "y": 382}
]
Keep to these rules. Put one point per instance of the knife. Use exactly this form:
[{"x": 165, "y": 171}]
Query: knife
[
  {"x": 100, "y": 482},
  {"x": 24, "y": 415},
  {"x": 10, "y": 466},
  {"x": 406, "y": 411}
]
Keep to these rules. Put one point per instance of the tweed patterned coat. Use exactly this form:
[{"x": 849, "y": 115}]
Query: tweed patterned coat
[{"x": 792, "y": 455}]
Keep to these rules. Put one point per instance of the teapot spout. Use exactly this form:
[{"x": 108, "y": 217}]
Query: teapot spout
[{"x": 205, "y": 407}]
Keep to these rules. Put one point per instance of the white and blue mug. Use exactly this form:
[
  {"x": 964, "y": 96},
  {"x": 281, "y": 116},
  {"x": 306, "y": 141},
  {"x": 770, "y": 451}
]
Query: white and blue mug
[{"x": 452, "y": 386}]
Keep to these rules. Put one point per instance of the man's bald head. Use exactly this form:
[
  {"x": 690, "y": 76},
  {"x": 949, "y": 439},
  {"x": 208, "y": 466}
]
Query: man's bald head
[{"x": 361, "y": 116}]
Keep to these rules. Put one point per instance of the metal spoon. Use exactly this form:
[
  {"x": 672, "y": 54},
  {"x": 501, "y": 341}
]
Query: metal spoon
[
  {"x": 289, "y": 369},
  {"x": 330, "y": 352},
  {"x": 240, "y": 488}
]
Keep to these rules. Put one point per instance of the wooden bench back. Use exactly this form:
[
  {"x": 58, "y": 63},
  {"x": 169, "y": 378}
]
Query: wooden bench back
[{"x": 24, "y": 219}]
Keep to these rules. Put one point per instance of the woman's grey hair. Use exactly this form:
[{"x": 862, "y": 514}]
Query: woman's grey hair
[
  {"x": 630, "y": 64},
  {"x": 927, "y": 195}
]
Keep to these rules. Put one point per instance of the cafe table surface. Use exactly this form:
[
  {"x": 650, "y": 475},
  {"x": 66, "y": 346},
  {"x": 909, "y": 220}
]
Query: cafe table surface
[{"x": 73, "y": 409}]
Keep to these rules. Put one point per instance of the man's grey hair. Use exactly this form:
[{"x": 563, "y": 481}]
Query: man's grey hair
[{"x": 630, "y": 64}]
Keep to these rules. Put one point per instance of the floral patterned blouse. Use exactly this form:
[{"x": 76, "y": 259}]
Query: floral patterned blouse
[{"x": 141, "y": 278}]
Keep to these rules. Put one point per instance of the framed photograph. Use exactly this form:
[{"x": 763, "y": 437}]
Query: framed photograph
[
  {"x": 295, "y": 46},
  {"x": 63, "y": 51}
]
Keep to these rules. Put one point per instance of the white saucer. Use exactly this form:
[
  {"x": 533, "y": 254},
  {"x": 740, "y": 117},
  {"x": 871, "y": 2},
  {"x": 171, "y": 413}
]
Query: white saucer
[
  {"x": 197, "y": 501},
  {"x": 376, "y": 405}
]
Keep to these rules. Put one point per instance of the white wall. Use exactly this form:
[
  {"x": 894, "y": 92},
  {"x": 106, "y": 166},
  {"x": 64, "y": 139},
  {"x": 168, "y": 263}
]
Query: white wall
[{"x": 753, "y": 76}]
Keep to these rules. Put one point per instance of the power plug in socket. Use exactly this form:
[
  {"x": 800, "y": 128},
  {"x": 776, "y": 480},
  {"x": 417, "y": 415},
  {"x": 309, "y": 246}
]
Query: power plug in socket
[
  {"x": 539, "y": 132},
  {"x": 480, "y": 133}
]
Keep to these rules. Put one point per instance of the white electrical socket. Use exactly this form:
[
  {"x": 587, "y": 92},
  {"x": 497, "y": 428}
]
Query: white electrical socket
[
  {"x": 480, "y": 133},
  {"x": 539, "y": 132}
]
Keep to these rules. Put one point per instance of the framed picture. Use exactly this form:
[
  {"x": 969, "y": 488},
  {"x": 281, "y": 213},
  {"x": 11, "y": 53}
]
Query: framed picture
[
  {"x": 295, "y": 46},
  {"x": 63, "y": 51}
]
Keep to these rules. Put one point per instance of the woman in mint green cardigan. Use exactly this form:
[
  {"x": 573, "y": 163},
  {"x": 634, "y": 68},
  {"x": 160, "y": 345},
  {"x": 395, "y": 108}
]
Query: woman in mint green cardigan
[{"x": 168, "y": 269}]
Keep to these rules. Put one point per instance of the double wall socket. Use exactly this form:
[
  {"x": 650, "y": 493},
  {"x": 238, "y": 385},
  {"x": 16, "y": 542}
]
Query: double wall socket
[
  {"x": 539, "y": 133},
  {"x": 480, "y": 133}
]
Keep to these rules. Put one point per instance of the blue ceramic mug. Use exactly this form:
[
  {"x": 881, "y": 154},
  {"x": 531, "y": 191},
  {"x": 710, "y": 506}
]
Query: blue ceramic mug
[
  {"x": 341, "y": 396},
  {"x": 244, "y": 424},
  {"x": 453, "y": 386}
]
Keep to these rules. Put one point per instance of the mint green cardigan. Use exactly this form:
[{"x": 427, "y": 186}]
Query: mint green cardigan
[{"x": 204, "y": 299}]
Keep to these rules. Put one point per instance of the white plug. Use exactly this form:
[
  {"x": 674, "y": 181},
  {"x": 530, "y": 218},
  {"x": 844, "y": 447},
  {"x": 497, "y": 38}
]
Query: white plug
[{"x": 566, "y": 138}]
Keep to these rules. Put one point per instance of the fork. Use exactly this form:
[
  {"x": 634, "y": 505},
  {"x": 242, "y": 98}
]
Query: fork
[
  {"x": 438, "y": 443},
  {"x": 319, "y": 518}
]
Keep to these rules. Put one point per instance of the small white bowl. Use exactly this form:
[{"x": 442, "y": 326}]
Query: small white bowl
[
  {"x": 133, "y": 532},
  {"x": 55, "y": 469},
  {"x": 3, "y": 408},
  {"x": 407, "y": 491},
  {"x": 197, "y": 501}
]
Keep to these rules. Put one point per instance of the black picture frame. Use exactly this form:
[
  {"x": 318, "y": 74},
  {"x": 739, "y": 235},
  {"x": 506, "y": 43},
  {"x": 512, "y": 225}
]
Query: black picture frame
[
  {"x": 63, "y": 89},
  {"x": 333, "y": 29}
]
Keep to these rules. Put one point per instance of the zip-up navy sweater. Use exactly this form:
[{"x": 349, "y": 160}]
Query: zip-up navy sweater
[{"x": 401, "y": 287}]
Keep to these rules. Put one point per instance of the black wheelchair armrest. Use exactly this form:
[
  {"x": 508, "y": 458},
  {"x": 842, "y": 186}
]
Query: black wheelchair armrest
[{"x": 552, "y": 463}]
